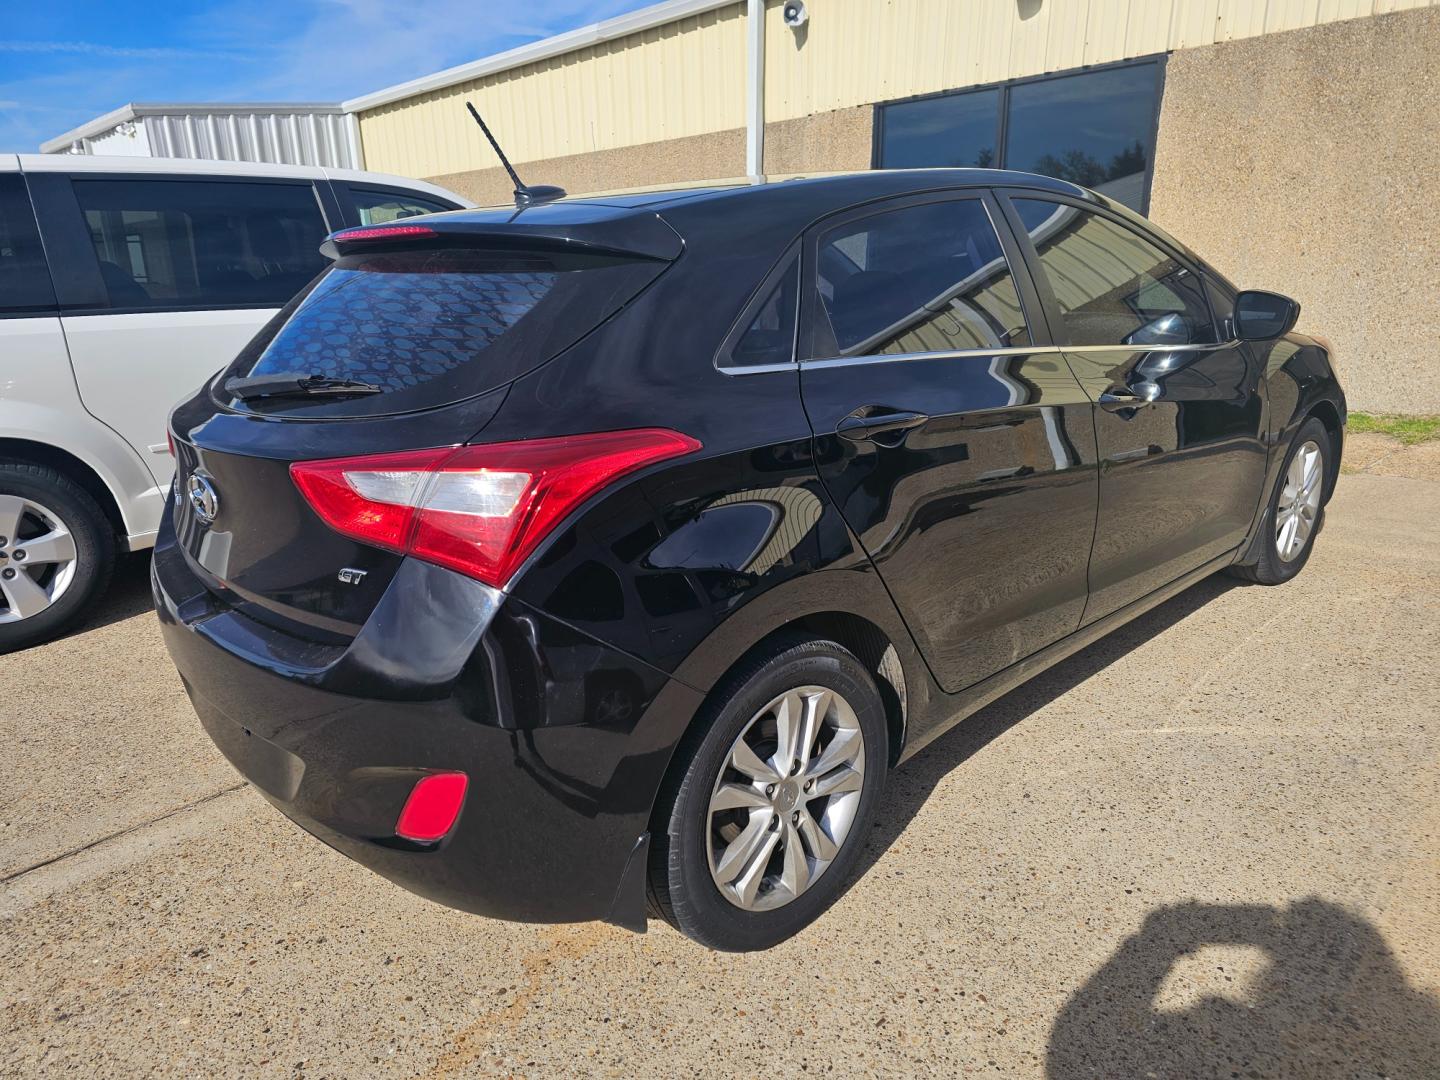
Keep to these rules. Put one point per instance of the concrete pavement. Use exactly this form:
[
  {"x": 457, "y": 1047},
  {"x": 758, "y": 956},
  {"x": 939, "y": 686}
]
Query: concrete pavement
[{"x": 1209, "y": 845}]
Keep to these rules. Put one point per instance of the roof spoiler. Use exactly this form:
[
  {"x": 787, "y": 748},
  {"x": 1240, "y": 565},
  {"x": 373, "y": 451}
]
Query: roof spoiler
[{"x": 565, "y": 228}]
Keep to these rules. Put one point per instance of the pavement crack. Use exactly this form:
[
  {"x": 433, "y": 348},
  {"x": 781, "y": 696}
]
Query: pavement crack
[{"x": 15, "y": 876}]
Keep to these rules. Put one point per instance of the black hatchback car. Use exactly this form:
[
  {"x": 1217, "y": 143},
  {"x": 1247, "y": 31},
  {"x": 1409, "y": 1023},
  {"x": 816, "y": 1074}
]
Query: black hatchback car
[{"x": 601, "y": 557}]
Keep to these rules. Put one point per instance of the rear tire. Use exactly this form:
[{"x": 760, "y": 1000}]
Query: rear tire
[
  {"x": 746, "y": 855},
  {"x": 57, "y": 551},
  {"x": 1296, "y": 510}
]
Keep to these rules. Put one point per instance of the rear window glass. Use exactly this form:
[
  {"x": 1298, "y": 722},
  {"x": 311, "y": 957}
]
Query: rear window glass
[{"x": 432, "y": 327}]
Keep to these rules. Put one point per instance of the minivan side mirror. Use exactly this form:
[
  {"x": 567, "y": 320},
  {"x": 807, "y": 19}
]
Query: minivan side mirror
[{"x": 1264, "y": 316}]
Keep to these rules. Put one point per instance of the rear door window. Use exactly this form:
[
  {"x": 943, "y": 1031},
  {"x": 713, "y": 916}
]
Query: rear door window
[
  {"x": 167, "y": 245},
  {"x": 923, "y": 278},
  {"x": 24, "y": 278},
  {"x": 1113, "y": 286},
  {"x": 375, "y": 206},
  {"x": 431, "y": 327}
]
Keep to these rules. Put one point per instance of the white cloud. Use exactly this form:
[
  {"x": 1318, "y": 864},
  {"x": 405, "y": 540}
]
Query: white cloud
[
  {"x": 92, "y": 48},
  {"x": 352, "y": 47}
]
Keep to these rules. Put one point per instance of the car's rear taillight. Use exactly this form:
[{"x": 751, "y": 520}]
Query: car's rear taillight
[{"x": 481, "y": 510}]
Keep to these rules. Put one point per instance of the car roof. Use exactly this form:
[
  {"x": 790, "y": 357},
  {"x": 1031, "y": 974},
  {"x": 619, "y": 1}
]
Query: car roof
[
  {"x": 140, "y": 166},
  {"x": 824, "y": 194}
]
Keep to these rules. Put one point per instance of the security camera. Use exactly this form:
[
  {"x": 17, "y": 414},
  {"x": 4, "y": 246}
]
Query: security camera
[{"x": 795, "y": 14}]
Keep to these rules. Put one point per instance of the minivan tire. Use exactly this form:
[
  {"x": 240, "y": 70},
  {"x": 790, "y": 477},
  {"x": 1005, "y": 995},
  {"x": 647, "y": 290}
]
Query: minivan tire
[
  {"x": 95, "y": 550},
  {"x": 1269, "y": 568},
  {"x": 682, "y": 889}
]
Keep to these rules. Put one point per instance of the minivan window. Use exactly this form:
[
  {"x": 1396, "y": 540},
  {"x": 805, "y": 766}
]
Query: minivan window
[
  {"x": 377, "y": 207},
  {"x": 1113, "y": 286},
  {"x": 170, "y": 244},
  {"x": 922, "y": 278},
  {"x": 434, "y": 326},
  {"x": 24, "y": 278}
]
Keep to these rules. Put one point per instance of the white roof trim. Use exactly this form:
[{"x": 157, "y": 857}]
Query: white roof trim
[
  {"x": 594, "y": 34},
  {"x": 103, "y": 124}
]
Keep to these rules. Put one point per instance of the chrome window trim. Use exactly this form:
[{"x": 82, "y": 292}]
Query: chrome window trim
[
  {"x": 754, "y": 369},
  {"x": 1030, "y": 350},
  {"x": 1234, "y": 342},
  {"x": 958, "y": 354}
]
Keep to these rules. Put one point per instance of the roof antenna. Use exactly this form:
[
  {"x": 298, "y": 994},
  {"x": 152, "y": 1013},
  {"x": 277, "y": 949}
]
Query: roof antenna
[{"x": 524, "y": 194}]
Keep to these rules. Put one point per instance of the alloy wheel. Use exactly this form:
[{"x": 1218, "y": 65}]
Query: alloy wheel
[
  {"x": 785, "y": 798},
  {"x": 38, "y": 558},
  {"x": 1299, "y": 505}
]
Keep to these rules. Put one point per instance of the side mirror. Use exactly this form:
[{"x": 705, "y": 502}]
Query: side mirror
[{"x": 1264, "y": 316}]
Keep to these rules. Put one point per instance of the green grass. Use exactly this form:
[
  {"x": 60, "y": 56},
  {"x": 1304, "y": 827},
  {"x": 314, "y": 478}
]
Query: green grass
[{"x": 1408, "y": 429}]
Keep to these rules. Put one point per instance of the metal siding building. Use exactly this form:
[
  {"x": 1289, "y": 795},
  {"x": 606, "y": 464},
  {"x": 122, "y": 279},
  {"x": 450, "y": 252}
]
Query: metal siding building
[
  {"x": 277, "y": 134},
  {"x": 678, "y": 69},
  {"x": 1292, "y": 142}
]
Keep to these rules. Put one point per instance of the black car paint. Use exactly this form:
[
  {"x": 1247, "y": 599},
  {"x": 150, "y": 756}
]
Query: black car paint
[{"x": 566, "y": 696}]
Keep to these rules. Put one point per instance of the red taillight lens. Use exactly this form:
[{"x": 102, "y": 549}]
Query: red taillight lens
[
  {"x": 367, "y": 233},
  {"x": 432, "y": 807},
  {"x": 481, "y": 510}
]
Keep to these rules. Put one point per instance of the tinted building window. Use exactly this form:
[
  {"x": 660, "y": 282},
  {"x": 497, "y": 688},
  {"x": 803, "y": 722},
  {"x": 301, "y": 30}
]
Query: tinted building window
[
  {"x": 24, "y": 279},
  {"x": 1113, "y": 286},
  {"x": 378, "y": 207},
  {"x": 166, "y": 244},
  {"x": 1093, "y": 128},
  {"x": 957, "y": 130},
  {"x": 926, "y": 278}
]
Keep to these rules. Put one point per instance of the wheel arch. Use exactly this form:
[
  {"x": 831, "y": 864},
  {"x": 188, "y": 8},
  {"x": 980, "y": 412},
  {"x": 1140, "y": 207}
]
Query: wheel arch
[
  {"x": 69, "y": 465},
  {"x": 849, "y": 607},
  {"x": 1329, "y": 415}
]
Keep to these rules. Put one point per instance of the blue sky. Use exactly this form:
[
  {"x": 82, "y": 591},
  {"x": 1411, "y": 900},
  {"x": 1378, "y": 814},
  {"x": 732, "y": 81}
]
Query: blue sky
[{"x": 62, "y": 63}]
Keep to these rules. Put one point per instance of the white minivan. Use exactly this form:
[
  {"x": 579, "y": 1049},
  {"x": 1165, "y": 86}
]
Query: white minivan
[{"x": 124, "y": 284}]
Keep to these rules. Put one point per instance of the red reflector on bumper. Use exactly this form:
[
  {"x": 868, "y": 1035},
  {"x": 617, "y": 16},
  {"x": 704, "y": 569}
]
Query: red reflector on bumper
[{"x": 432, "y": 807}]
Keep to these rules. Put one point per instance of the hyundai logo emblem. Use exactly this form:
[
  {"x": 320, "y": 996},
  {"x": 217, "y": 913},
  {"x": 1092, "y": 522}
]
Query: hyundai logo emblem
[{"x": 204, "y": 500}]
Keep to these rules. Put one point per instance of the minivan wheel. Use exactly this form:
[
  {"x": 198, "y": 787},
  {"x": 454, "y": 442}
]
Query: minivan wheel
[
  {"x": 1296, "y": 509},
  {"x": 56, "y": 553},
  {"x": 764, "y": 816}
]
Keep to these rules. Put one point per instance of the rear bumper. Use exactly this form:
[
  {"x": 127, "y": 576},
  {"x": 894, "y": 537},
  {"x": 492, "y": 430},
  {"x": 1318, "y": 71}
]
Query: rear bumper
[{"x": 564, "y": 739}]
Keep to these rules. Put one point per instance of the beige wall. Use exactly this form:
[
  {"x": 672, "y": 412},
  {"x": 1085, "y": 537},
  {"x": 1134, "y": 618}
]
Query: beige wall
[
  {"x": 688, "y": 77},
  {"x": 1309, "y": 163},
  {"x": 829, "y": 142},
  {"x": 684, "y": 78},
  {"x": 858, "y": 51},
  {"x": 719, "y": 155}
]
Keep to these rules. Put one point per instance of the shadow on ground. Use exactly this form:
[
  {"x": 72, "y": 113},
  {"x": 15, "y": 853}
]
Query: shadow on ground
[
  {"x": 1329, "y": 1001},
  {"x": 129, "y": 594}
]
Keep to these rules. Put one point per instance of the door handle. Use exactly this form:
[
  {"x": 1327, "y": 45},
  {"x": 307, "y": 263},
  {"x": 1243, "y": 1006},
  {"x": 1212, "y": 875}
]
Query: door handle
[
  {"x": 878, "y": 424},
  {"x": 1119, "y": 397}
]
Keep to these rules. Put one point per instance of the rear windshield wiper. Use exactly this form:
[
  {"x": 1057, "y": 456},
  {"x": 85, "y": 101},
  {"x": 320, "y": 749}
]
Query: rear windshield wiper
[{"x": 254, "y": 387}]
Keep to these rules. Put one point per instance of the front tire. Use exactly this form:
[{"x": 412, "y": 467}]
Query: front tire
[
  {"x": 1296, "y": 510},
  {"x": 763, "y": 818},
  {"x": 57, "y": 551}
]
